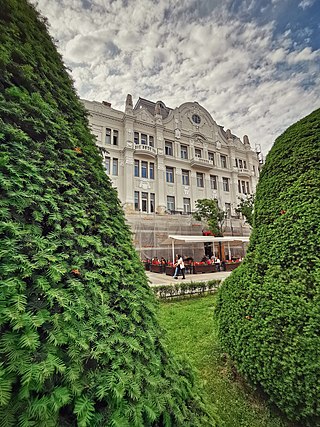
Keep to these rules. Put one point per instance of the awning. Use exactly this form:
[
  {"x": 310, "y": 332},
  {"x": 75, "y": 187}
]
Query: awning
[{"x": 205, "y": 239}]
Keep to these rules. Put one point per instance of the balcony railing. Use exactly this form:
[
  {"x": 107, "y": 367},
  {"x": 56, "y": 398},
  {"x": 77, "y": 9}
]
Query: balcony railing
[
  {"x": 202, "y": 163},
  {"x": 245, "y": 172},
  {"x": 145, "y": 149}
]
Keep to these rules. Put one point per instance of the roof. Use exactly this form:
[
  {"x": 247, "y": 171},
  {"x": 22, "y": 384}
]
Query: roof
[{"x": 150, "y": 106}]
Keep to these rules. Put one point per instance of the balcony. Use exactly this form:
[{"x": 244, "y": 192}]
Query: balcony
[
  {"x": 244, "y": 172},
  {"x": 199, "y": 162},
  {"x": 147, "y": 150}
]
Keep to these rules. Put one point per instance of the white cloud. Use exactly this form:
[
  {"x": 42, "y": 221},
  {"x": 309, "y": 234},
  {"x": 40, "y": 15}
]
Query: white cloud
[
  {"x": 306, "y": 3},
  {"x": 250, "y": 81}
]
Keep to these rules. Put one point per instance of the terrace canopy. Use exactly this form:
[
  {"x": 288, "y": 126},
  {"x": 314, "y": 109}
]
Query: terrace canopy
[{"x": 205, "y": 239}]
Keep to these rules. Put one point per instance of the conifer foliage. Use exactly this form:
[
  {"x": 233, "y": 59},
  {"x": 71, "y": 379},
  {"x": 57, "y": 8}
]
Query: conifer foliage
[
  {"x": 269, "y": 308},
  {"x": 79, "y": 340}
]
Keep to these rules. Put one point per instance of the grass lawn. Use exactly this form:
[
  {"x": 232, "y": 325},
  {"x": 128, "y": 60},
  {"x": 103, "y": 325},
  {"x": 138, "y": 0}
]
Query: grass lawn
[{"x": 191, "y": 331}]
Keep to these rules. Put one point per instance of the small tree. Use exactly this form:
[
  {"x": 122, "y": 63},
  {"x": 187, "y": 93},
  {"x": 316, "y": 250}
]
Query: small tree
[
  {"x": 209, "y": 211},
  {"x": 246, "y": 207}
]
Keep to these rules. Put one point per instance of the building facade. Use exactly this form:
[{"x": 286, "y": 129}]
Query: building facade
[{"x": 162, "y": 160}]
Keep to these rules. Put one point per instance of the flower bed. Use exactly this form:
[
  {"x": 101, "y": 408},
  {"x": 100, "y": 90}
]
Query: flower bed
[
  {"x": 156, "y": 268},
  {"x": 170, "y": 270},
  {"x": 203, "y": 268},
  {"x": 231, "y": 266}
]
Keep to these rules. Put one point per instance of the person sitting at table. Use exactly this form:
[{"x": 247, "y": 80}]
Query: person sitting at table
[{"x": 217, "y": 263}]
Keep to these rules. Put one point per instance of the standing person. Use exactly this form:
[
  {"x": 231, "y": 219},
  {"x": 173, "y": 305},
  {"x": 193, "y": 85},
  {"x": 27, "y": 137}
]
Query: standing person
[
  {"x": 217, "y": 263},
  {"x": 179, "y": 267}
]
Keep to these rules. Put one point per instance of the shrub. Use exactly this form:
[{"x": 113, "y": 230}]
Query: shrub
[
  {"x": 79, "y": 340},
  {"x": 269, "y": 308}
]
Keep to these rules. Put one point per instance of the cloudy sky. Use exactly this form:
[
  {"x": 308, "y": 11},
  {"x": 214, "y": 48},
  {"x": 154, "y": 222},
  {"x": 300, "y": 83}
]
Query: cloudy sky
[{"x": 253, "y": 64}]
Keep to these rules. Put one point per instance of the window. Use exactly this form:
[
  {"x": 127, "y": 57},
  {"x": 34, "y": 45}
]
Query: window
[
  {"x": 227, "y": 207},
  {"x": 144, "y": 202},
  {"x": 239, "y": 186},
  {"x": 115, "y": 167},
  {"x": 225, "y": 184},
  {"x": 196, "y": 119},
  {"x": 200, "y": 181},
  {"x": 136, "y": 168},
  {"x": 144, "y": 169},
  {"x": 152, "y": 202},
  {"x": 185, "y": 177},
  {"x": 248, "y": 188},
  {"x": 151, "y": 141},
  {"x": 236, "y": 162},
  {"x": 107, "y": 164},
  {"x": 136, "y": 200},
  {"x": 198, "y": 152},
  {"x": 143, "y": 139},
  {"x": 223, "y": 160},
  {"x": 136, "y": 138},
  {"x": 170, "y": 203},
  {"x": 213, "y": 182},
  {"x": 168, "y": 148},
  {"x": 211, "y": 156},
  {"x": 115, "y": 137},
  {"x": 151, "y": 170},
  {"x": 186, "y": 205},
  {"x": 169, "y": 174},
  {"x": 108, "y": 136},
  {"x": 240, "y": 164},
  {"x": 244, "y": 164},
  {"x": 184, "y": 151},
  {"x": 254, "y": 169}
]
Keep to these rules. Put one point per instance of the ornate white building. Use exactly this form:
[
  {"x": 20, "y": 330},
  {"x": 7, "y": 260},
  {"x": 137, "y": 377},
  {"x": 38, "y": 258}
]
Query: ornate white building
[{"x": 162, "y": 160}]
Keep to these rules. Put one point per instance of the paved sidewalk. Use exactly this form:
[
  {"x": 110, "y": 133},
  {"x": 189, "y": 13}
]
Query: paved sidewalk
[{"x": 163, "y": 279}]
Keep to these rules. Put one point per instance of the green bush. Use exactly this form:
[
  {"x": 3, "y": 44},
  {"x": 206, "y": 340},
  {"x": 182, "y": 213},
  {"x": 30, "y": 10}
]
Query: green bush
[
  {"x": 80, "y": 344},
  {"x": 269, "y": 308},
  {"x": 182, "y": 289}
]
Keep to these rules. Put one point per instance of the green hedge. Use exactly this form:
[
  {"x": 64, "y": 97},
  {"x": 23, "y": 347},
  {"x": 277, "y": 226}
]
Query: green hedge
[
  {"x": 185, "y": 289},
  {"x": 80, "y": 344},
  {"x": 269, "y": 308}
]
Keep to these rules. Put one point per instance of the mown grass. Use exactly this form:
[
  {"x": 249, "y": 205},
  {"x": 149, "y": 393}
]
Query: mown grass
[{"x": 192, "y": 332}]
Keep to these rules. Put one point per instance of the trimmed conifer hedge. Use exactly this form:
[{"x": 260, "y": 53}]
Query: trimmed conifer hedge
[
  {"x": 80, "y": 344},
  {"x": 269, "y": 308}
]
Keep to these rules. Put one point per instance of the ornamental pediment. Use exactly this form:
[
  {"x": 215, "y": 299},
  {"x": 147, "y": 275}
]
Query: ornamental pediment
[{"x": 143, "y": 115}]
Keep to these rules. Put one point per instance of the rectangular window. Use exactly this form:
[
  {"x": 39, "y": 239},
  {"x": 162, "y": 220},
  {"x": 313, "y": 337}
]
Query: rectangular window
[
  {"x": 136, "y": 138},
  {"x": 107, "y": 164},
  {"x": 115, "y": 137},
  {"x": 115, "y": 167},
  {"x": 223, "y": 160},
  {"x": 227, "y": 207},
  {"x": 243, "y": 187},
  {"x": 248, "y": 188},
  {"x": 151, "y": 141},
  {"x": 169, "y": 174},
  {"x": 213, "y": 182},
  {"x": 152, "y": 202},
  {"x": 151, "y": 170},
  {"x": 240, "y": 164},
  {"x": 136, "y": 168},
  {"x": 144, "y": 202},
  {"x": 197, "y": 152},
  {"x": 244, "y": 164},
  {"x": 186, "y": 205},
  {"x": 184, "y": 151},
  {"x": 239, "y": 186},
  {"x": 225, "y": 184},
  {"x": 136, "y": 201},
  {"x": 185, "y": 177},
  {"x": 254, "y": 169},
  {"x": 168, "y": 148},
  {"x": 143, "y": 139},
  {"x": 236, "y": 162},
  {"x": 170, "y": 203},
  {"x": 211, "y": 156},
  {"x": 108, "y": 136},
  {"x": 200, "y": 181},
  {"x": 144, "y": 169}
]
